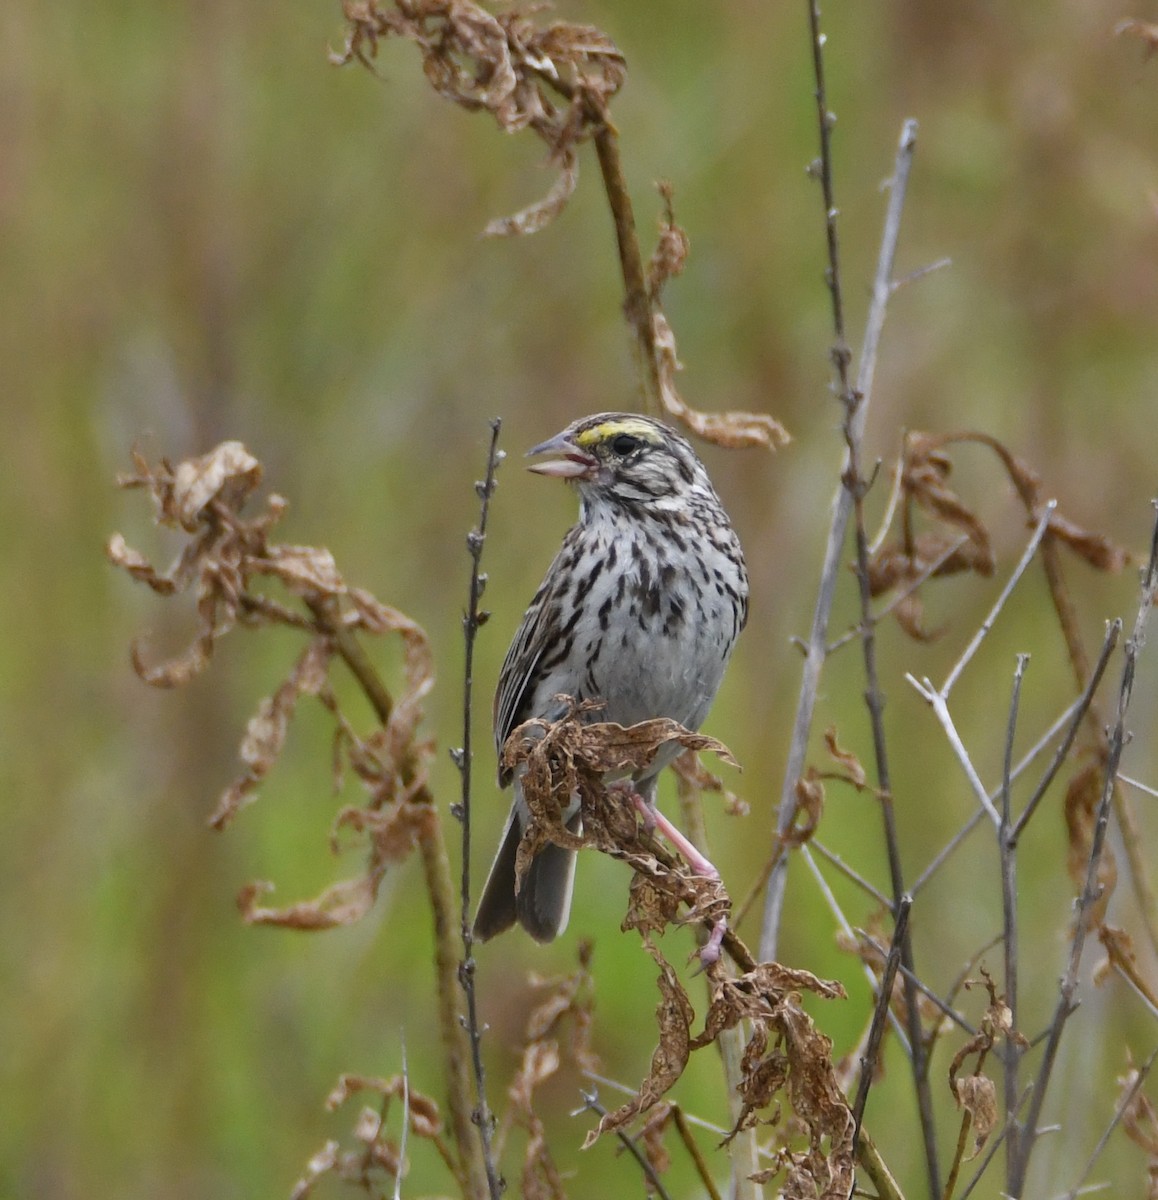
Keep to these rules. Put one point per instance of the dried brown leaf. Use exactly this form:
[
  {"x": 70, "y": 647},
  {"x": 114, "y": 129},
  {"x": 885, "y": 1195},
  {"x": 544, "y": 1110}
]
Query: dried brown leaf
[
  {"x": 137, "y": 565},
  {"x": 540, "y": 214},
  {"x": 228, "y": 474},
  {"x": 1095, "y": 548},
  {"x": 854, "y": 772},
  {"x": 265, "y": 734},
  {"x": 674, "y": 1015},
  {"x": 651, "y": 1135},
  {"x": 925, "y": 481},
  {"x": 692, "y": 774},
  {"x": 787, "y": 1052},
  {"x": 1121, "y": 956},
  {"x": 808, "y": 793},
  {"x": 977, "y": 1095},
  {"x": 322, "y": 1163},
  {"x": 733, "y": 430},
  {"x": 555, "y": 81},
  {"x": 343, "y": 903},
  {"x": 1082, "y": 798},
  {"x": 1139, "y": 1118},
  {"x": 670, "y": 255}
]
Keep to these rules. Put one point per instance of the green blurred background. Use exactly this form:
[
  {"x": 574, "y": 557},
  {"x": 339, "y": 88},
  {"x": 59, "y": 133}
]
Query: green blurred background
[{"x": 208, "y": 232}]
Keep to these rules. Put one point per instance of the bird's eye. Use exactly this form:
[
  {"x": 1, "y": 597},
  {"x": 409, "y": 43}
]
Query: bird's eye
[{"x": 624, "y": 443}]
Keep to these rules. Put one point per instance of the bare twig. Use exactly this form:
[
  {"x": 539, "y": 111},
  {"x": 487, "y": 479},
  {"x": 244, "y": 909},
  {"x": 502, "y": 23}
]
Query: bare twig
[
  {"x": 591, "y": 1102},
  {"x": 690, "y": 1144},
  {"x": 1091, "y": 889},
  {"x": 1015, "y": 578},
  {"x": 938, "y": 698},
  {"x": 463, "y": 758},
  {"x": 1113, "y": 631},
  {"x": 842, "y": 510},
  {"x": 923, "y": 988},
  {"x": 868, "y": 1060},
  {"x": 1123, "y": 1104},
  {"x": 1007, "y": 849}
]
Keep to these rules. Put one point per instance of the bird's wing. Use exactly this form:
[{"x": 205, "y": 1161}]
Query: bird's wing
[{"x": 520, "y": 671}]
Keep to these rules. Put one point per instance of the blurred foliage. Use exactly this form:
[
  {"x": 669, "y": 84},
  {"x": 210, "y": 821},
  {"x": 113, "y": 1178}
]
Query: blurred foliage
[{"x": 206, "y": 231}]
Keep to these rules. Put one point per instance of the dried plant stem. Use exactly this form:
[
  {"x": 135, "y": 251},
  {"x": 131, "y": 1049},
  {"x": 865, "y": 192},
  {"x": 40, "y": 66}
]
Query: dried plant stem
[
  {"x": 868, "y": 1060},
  {"x": 743, "y": 1148},
  {"x": 849, "y": 502},
  {"x": 1133, "y": 843},
  {"x": 637, "y": 299},
  {"x": 591, "y": 1101},
  {"x": 1123, "y": 1104},
  {"x": 440, "y": 891},
  {"x": 1091, "y": 889},
  {"x": 1007, "y": 845},
  {"x": 693, "y": 1149},
  {"x": 841, "y": 511},
  {"x": 464, "y": 757}
]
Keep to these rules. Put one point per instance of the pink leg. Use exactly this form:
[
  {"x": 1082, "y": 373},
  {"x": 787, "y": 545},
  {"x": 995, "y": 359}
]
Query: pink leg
[{"x": 654, "y": 819}]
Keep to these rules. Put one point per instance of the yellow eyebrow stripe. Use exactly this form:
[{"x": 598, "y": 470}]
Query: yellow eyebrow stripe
[{"x": 610, "y": 429}]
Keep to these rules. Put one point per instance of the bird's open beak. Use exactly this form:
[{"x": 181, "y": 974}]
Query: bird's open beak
[{"x": 572, "y": 462}]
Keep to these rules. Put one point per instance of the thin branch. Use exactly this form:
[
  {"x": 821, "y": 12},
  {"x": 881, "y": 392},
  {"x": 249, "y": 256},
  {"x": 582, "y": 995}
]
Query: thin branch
[
  {"x": 850, "y": 933},
  {"x": 1137, "y": 783},
  {"x": 1119, "y": 1112},
  {"x": 923, "y": 988},
  {"x": 591, "y": 1102},
  {"x": 868, "y": 1060},
  {"x": 463, "y": 758},
  {"x": 986, "y": 625},
  {"x": 851, "y": 874},
  {"x": 841, "y": 511},
  {"x": 1071, "y": 716},
  {"x": 694, "y": 1151},
  {"x": 1113, "y": 631},
  {"x": 1007, "y": 849},
  {"x": 1091, "y": 890}
]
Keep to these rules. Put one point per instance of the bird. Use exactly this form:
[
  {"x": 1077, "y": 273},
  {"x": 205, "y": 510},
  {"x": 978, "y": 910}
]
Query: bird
[{"x": 639, "y": 611}]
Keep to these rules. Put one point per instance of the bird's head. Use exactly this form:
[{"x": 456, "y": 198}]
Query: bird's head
[{"x": 623, "y": 457}]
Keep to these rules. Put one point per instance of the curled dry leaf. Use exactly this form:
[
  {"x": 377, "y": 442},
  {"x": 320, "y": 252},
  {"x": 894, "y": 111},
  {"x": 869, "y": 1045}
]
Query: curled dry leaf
[
  {"x": 651, "y": 1135},
  {"x": 670, "y": 255},
  {"x": 787, "y": 1052},
  {"x": 1139, "y": 1118},
  {"x": 375, "y": 1152},
  {"x": 567, "y": 758},
  {"x": 342, "y": 903},
  {"x": 555, "y": 81},
  {"x": 975, "y": 1092},
  {"x": 854, "y": 773},
  {"x": 202, "y": 497},
  {"x": 808, "y": 793},
  {"x": 226, "y": 555},
  {"x": 1121, "y": 957},
  {"x": 674, "y": 1015},
  {"x": 265, "y": 734},
  {"x": 692, "y": 775},
  {"x": 977, "y": 1095},
  {"x": 566, "y": 997},
  {"x": 732, "y": 430},
  {"x": 959, "y": 540}
]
